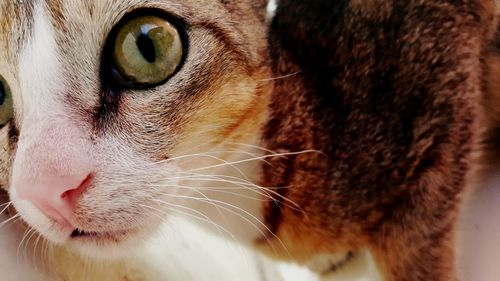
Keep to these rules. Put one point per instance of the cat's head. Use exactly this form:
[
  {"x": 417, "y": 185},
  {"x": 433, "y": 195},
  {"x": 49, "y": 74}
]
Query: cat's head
[{"x": 117, "y": 113}]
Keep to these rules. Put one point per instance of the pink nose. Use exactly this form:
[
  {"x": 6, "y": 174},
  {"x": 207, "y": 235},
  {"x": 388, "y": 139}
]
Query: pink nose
[
  {"x": 53, "y": 168},
  {"x": 58, "y": 197}
]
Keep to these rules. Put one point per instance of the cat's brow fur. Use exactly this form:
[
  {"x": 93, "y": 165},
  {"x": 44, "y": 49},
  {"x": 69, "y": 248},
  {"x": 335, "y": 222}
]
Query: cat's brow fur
[{"x": 18, "y": 18}]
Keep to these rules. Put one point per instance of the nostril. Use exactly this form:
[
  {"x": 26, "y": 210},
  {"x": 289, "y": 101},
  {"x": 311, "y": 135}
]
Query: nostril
[{"x": 72, "y": 195}]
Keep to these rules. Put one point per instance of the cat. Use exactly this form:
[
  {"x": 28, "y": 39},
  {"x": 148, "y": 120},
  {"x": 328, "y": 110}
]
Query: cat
[{"x": 330, "y": 133}]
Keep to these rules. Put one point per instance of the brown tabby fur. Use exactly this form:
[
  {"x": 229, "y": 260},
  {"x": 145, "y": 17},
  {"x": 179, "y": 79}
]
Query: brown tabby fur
[{"x": 390, "y": 92}]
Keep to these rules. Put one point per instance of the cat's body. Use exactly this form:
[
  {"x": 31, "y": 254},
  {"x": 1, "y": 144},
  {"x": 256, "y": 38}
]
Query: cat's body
[
  {"x": 350, "y": 132},
  {"x": 392, "y": 93}
]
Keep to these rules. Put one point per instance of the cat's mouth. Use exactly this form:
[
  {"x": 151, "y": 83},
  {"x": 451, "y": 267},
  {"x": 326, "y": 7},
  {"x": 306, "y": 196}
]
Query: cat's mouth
[
  {"x": 105, "y": 244},
  {"x": 83, "y": 234}
]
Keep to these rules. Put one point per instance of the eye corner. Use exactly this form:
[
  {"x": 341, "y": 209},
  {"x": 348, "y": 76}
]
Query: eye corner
[{"x": 111, "y": 75}]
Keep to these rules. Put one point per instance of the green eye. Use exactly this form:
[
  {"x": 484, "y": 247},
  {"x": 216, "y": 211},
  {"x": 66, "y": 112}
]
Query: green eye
[
  {"x": 5, "y": 103},
  {"x": 146, "y": 51}
]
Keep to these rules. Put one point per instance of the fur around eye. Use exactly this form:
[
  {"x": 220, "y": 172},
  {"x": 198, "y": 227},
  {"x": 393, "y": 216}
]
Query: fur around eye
[
  {"x": 5, "y": 102},
  {"x": 146, "y": 50}
]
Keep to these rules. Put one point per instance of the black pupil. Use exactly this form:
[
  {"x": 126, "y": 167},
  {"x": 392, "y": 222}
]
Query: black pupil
[
  {"x": 146, "y": 47},
  {"x": 2, "y": 93}
]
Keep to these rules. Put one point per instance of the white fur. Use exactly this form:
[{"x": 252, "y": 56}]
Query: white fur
[
  {"x": 360, "y": 268},
  {"x": 41, "y": 80},
  {"x": 182, "y": 252},
  {"x": 41, "y": 86},
  {"x": 272, "y": 5}
]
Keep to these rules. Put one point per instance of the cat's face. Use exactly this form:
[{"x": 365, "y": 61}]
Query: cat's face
[{"x": 119, "y": 107}]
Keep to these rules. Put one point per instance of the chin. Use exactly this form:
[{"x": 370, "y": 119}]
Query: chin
[
  {"x": 104, "y": 245},
  {"x": 109, "y": 245}
]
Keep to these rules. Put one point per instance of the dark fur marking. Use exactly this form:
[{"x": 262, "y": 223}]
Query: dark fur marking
[
  {"x": 339, "y": 265},
  {"x": 497, "y": 40},
  {"x": 13, "y": 135},
  {"x": 106, "y": 110},
  {"x": 274, "y": 215}
]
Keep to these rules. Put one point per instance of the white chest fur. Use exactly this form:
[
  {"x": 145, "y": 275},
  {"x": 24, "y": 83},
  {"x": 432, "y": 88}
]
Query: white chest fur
[{"x": 182, "y": 252}]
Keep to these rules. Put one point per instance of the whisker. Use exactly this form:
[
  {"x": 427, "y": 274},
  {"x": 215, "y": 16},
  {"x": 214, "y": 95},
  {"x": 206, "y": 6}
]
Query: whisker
[
  {"x": 248, "y": 185},
  {"x": 216, "y": 190},
  {"x": 7, "y": 205},
  {"x": 280, "y": 77},
  {"x": 254, "y": 159},
  {"x": 203, "y": 195},
  {"x": 48, "y": 255},
  {"x": 225, "y": 163},
  {"x": 261, "y": 191},
  {"x": 253, "y": 146},
  {"x": 11, "y": 219},
  {"x": 35, "y": 251},
  {"x": 263, "y": 157},
  {"x": 204, "y": 218},
  {"x": 25, "y": 235},
  {"x": 27, "y": 244},
  {"x": 237, "y": 214}
]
